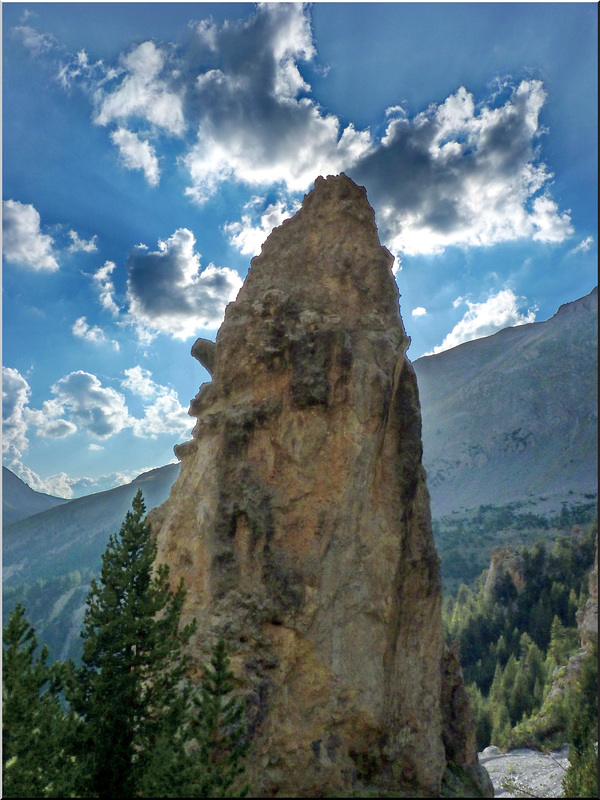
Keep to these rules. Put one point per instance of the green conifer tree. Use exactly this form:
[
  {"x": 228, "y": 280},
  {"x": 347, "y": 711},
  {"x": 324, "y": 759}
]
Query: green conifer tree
[
  {"x": 501, "y": 726},
  {"x": 35, "y": 757},
  {"x": 581, "y": 779},
  {"x": 130, "y": 692},
  {"x": 221, "y": 742}
]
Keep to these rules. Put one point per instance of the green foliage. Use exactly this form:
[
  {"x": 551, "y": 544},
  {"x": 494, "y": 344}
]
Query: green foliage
[
  {"x": 515, "y": 643},
  {"x": 464, "y": 541},
  {"x": 129, "y": 691},
  {"x": 581, "y": 779},
  {"x": 35, "y": 729},
  {"x": 219, "y": 733},
  {"x": 483, "y": 721},
  {"x": 134, "y": 728}
]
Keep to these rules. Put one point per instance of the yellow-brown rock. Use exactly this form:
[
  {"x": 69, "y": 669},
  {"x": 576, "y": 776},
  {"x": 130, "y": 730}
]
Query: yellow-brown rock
[{"x": 300, "y": 520}]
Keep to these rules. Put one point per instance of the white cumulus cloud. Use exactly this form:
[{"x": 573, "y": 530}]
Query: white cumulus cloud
[
  {"x": 139, "y": 382},
  {"x": 165, "y": 414},
  {"x": 255, "y": 121},
  {"x": 419, "y": 311},
  {"x": 77, "y": 244},
  {"x": 17, "y": 416},
  {"x": 137, "y": 153},
  {"x": 22, "y": 240},
  {"x": 143, "y": 93},
  {"x": 168, "y": 290},
  {"x": 465, "y": 172},
  {"x": 464, "y": 175},
  {"x": 100, "y": 410},
  {"x": 63, "y": 485},
  {"x": 93, "y": 334},
  {"x": 249, "y": 233},
  {"x": 15, "y": 398},
  {"x": 501, "y": 310}
]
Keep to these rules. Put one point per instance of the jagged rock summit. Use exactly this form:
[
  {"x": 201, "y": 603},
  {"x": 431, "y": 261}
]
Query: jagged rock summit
[{"x": 300, "y": 520}]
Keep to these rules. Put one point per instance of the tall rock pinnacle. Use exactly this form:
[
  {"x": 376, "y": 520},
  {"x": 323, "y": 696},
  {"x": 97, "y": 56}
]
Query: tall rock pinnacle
[{"x": 300, "y": 519}]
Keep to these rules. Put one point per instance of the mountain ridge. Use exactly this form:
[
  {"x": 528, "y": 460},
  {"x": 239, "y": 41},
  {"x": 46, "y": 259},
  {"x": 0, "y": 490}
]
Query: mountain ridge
[
  {"x": 19, "y": 500},
  {"x": 501, "y": 413}
]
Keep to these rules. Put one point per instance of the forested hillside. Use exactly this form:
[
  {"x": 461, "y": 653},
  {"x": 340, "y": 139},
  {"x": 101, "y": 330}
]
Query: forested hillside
[
  {"x": 465, "y": 541},
  {"x": 520, "y": 644}
]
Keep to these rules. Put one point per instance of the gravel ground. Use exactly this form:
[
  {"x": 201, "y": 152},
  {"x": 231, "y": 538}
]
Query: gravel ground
[{"x": 539, "y": 774}]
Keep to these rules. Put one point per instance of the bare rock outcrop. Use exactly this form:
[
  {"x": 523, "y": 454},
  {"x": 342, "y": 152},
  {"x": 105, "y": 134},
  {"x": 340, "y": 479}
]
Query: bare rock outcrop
[
  {"x": 300, "y": 520},
  {"x": 587, "y": 618},
  {"x": 203, "y": 350},
  {"x": 506, "y": 566}
]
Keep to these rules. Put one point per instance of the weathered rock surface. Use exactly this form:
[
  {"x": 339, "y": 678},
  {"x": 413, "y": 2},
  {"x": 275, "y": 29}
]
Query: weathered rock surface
[
  {"x": 300, "y": 520},
  {"x": 587, "y": 618},
  {"x": 506, "y": 563}
]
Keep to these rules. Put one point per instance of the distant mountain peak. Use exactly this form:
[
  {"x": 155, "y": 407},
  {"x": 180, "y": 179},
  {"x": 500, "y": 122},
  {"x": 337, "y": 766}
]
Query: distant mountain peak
[
  {"x": 20, "y": 501},
  {"x": 153, "y": 473},
  {"x": 586, "y": 303},
  {"x": 513, "y": 416}
]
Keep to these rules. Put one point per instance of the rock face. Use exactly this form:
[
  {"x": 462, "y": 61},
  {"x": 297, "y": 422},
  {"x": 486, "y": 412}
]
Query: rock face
[
  {"x": 300, "y": 520},
  {"x": 506, "y": 564},
  {"x": 587, "y": 618}
]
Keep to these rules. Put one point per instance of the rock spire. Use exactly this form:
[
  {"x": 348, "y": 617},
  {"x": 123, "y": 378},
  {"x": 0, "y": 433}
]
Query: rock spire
[{"x": 300, "y": 519}]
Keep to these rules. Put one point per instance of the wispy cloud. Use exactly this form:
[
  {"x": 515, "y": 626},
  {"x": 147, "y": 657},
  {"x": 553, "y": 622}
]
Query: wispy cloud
[
  {"x": 583, "y": 246},
  {"x": 34, "y": 41},
  {"x": 93, "y": 334},
  {"x": 77, "y": 244},
  {"x": 106, "y": 287}
]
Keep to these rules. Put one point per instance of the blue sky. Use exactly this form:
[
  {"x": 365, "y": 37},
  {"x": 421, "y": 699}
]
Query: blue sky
[{"x": 149, "y": 149}]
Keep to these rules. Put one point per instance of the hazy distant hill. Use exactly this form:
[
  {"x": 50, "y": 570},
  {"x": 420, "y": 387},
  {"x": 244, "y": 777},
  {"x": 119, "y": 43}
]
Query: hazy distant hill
[
  {"x": 514, "y": 416},
  {"x": 20, "y": 501},
  {"x": 75, "y": 534}
]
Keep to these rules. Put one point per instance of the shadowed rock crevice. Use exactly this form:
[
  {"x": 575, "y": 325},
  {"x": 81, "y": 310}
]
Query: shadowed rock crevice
[{"x": 300, "y": 520}]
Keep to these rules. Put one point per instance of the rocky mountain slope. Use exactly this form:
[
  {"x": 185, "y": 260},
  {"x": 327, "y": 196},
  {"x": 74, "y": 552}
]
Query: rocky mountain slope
[
  {"x": 514, "y": 416},
  {"x": 20, "y": 501}
]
